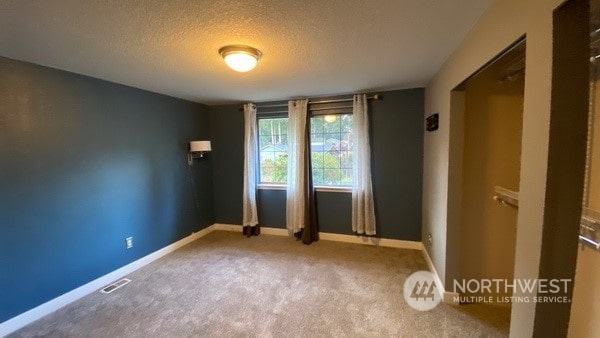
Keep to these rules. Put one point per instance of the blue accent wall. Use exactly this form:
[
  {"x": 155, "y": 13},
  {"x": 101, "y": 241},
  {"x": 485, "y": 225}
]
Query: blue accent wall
[
  {"x": 86, "y": 163},
  {"x": 397, "y": 168},
  {"x": 227, "y": 136}
]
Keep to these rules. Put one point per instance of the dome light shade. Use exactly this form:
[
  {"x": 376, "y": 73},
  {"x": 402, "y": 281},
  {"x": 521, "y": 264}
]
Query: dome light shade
[{"x": 240, "y": 58}]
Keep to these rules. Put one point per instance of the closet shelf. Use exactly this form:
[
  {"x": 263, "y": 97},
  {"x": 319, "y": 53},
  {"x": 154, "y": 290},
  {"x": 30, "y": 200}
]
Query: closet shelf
[{"x": 506, "y": 197}]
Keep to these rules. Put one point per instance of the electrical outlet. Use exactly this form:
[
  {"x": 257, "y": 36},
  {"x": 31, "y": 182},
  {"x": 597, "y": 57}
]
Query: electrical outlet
[
  {"x": 129, "y": 242},
  {"x": 430, "y": 239}
]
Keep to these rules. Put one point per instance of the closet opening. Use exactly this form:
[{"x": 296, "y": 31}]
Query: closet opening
[{"x": 486, "y": 128}]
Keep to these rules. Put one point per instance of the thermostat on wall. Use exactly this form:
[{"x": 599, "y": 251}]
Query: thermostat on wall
[{"x": 432, "y": 122}]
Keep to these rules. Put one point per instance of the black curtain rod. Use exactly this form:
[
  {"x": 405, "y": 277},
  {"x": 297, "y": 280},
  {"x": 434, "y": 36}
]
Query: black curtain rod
[
  {"x": 373, "y": 97},
  {"x": 316, "y": 110},
  {"x": 330, "y": 108}
]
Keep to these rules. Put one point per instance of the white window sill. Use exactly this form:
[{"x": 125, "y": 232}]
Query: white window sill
[
  {"x": 267, "y": 186},
  {"x": 333, "y": 189},
  {"x": 270, "y": 186}
]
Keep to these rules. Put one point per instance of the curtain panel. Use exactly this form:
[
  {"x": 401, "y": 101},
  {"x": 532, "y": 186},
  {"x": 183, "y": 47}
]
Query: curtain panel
[
  {"x": 363, "y": 206},
  {"x": 300, "y": 202},
  {"x": 250, "y": 214}
]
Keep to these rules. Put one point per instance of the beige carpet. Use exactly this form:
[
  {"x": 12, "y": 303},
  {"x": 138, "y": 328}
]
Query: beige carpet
[{"x": 227, "y": 285}]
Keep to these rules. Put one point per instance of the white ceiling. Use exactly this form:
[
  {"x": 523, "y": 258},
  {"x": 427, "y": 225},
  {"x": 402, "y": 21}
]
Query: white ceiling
[{"x": 310, "y": 47}]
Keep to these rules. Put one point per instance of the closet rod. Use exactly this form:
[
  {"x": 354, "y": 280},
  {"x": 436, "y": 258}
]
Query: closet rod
[
  {"x": 589, "y": 241},
  {"x": 280, "y": 105}
]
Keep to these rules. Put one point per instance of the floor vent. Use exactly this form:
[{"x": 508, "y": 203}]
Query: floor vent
[{"x": 115, "y": 285}]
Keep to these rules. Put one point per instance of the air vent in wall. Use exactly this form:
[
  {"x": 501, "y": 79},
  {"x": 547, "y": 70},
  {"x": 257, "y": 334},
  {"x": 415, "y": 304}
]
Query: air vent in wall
[{"x": 112, "y": 287}]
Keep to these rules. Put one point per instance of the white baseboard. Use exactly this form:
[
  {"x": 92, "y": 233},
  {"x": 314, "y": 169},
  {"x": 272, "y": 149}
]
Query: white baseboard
[
  {"x": 367, "y": 240},
  {"x": 42, "y": 310},
  {"x": 226, "y": 227},
  {"x": 274, "y": 231},
  {"x": 447, "y": 297},
  {"x": 451, "y": 297},
  {"x": 239, "y": 228},
  {"x": 325, "y": 236}
]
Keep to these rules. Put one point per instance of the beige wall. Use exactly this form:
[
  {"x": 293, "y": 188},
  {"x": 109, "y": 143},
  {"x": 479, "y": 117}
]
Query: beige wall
[
  {"x": 502, "y": 24},
  {"x": 593, "y": 196},
  {"x": 491, "y": 157},
  {"x": 585, "y": 310}
]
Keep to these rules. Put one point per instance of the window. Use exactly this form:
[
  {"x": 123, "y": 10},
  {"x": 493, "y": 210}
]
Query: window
[
  {"x": 331, "y": 149},
  {"x": 330, "y": 143},
  {"x": 272, "y": 134}
]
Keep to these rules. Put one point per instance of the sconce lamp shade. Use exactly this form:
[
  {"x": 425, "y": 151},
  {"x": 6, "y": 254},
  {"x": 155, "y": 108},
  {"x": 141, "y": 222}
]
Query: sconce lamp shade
[
  {"x": 198, "y": 146},
  {"x": 197, "y": 150}
]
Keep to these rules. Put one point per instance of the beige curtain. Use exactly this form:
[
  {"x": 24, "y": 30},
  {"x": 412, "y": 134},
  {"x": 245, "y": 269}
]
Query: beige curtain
[
  {"x": 250, "y": 215},
  {"x": 363, "y": 206}
]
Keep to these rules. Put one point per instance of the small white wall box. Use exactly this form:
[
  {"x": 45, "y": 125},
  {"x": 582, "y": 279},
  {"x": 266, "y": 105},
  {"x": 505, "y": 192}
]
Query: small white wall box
[{"x": 197, "y": 150}]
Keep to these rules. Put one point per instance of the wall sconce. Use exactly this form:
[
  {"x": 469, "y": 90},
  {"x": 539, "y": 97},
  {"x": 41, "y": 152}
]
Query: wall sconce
[{"x": 197, "y": 150}]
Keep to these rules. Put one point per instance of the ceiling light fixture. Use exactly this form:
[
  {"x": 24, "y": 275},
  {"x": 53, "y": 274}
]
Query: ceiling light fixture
[{"x": 240, "y": 58}]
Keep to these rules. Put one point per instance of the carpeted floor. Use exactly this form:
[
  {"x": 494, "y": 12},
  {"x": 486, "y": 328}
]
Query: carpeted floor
[{"x": 227, "y": 285}]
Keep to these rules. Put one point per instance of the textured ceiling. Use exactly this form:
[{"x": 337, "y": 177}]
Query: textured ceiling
[{"x": 310, "y": 47}]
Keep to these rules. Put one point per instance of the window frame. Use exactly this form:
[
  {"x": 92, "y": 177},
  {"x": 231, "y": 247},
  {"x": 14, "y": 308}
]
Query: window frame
[
  {"x": 283, "y": 186},
  {"x": 259, "y": 183},
  {"x": 323, "y": 113}
]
